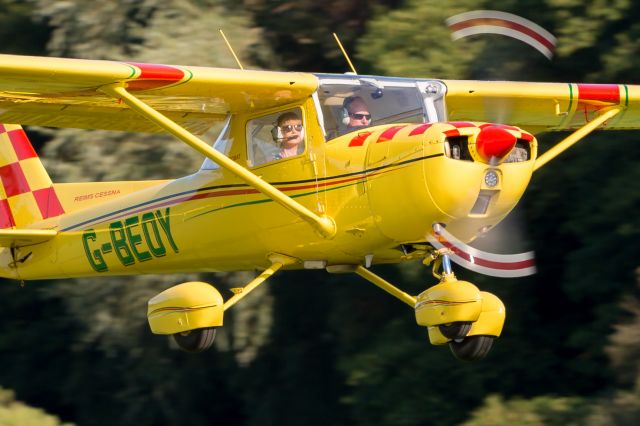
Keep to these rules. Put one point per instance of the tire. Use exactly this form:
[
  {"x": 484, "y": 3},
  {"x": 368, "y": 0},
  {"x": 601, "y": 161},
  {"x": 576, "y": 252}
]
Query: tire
[
  {"x": 197, "y": 340},
  {"x": 472, "y": 348},
  {"x": 455, "y": 330}
]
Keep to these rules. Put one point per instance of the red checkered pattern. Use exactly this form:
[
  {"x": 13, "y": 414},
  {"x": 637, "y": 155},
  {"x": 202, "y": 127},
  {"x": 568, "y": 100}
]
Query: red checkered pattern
[{"x": 26, "y": 191}]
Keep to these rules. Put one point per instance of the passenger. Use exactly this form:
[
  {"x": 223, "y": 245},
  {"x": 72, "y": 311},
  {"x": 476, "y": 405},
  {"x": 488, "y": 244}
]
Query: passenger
[{"x": 289, "y": 134}]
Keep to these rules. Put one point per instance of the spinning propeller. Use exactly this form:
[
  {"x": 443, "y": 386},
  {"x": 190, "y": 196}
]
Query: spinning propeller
[{"x": 483, "y": 262}]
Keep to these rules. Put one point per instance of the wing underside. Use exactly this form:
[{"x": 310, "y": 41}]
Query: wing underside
[{"x": 60, "y": 92}]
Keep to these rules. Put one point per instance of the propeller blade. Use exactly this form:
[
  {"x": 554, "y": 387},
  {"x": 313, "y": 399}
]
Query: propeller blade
[{"x": 495, "y": 265}]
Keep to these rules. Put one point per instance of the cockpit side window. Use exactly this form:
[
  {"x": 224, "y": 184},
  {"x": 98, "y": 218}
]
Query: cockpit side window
[{"x": 276, "y": 136}]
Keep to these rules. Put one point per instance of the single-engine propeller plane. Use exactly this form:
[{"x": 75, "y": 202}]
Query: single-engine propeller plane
[{"x": 314, "y": 171}]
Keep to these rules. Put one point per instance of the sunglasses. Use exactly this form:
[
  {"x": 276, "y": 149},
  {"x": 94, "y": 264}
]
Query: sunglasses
[
  {"x": 361, "y": 116},
  {"x": 290, "y": 127}
]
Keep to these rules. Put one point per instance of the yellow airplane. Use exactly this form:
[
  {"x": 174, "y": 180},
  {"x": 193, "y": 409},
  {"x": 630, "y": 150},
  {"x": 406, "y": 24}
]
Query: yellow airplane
[{"x": 313, "y": 171}]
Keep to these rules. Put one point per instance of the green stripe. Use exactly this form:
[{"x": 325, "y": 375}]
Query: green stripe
[
  {"x": 566, "y": 119},
  {"x": 183, "y": 82},
  {"x": 268, "y": 200},
  {"x": 615, "y": 120},
  {"x": 133, "y": 69}
]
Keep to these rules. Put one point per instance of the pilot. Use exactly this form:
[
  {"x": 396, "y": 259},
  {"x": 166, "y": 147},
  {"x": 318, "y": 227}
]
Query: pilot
[
  {"x": 289, "y": 134},
  {"x": 356, "y": 113}
]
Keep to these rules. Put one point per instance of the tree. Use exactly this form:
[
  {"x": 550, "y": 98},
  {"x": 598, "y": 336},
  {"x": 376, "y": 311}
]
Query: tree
[
  {"x": 299, "y": 32},
  {"x": 19, "y": 33},
  {"x": 16, "y": 413}
]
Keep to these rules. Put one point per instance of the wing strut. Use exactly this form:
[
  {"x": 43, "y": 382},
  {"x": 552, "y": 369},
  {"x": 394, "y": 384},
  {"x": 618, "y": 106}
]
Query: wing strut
[
  {"x": 573, "y": 138},
  {"x": 374, "y": 279},
  {"x": 325, "y": 225}
]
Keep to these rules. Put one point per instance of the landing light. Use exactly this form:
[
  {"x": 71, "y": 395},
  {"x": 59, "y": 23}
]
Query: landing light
[{"x": 491, "y": 178}]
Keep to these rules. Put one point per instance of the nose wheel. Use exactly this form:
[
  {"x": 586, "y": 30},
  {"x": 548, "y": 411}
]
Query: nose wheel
[{"x": 471, "y": 348}]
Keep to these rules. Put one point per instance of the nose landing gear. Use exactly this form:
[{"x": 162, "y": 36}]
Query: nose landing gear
[{"x": 457, "y": 313}]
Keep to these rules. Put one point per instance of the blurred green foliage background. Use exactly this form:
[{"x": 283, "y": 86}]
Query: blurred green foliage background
[{"x": 317, "y": 349}]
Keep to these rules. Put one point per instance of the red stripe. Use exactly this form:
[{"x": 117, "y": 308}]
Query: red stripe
[
  {"x": 21, "y": 144},
  {"x": 599, "y": 92},
  {"x": 2, "y": 128},
  {"x": 359, "y": 140},
  {"x": 445, "y": 302},
  {"x": 461, "y": 124},
  {"x": 323, "y": 184},
  {"x": 6, "y": 218},
  {"x": 159, "y": 72},
  {"x": 420, "y": 129},
  {"x": 454, "y": 132},
  {"x": 173, "y": 201},
  {"x": 502, "y": 126},
  {"x": 388, "y": 134},
  {"x": 153, "y": 76},
  {"x": 529, "y": 263},
  {"x": 437, "y": 303},
  {"x": 240, "y": 192},
  {"x": 48, "y": 202},
  {"x": 526, "y": 136},
  {"x": 220, "y": 194},
  {"x": 505, "y": 24},
  {"x": 13, "y": 180}
]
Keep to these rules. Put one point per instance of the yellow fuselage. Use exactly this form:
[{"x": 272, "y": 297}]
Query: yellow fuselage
[{"x": 384, "y": 186}]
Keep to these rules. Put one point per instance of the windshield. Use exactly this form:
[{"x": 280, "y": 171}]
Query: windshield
[{"x": 349, "y": 103}]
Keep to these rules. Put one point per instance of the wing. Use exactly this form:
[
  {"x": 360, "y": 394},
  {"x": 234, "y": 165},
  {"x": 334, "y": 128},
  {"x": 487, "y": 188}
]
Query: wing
[
  {"x": 62, "y": 92},
  {"x": 542, "y": 106}
]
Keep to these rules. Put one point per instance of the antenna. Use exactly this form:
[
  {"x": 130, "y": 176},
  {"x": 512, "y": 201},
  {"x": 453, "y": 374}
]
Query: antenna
[
  {"x": 231, "y": 49},
  {"x": 344, "y": 52}
]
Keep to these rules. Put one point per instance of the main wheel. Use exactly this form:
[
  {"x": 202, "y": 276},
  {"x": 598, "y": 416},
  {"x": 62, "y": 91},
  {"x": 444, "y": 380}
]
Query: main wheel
[
  {"x": 455, "y": 330},
  {"x": 472, "y": 348},
  {"x": 197, "y": 340}
]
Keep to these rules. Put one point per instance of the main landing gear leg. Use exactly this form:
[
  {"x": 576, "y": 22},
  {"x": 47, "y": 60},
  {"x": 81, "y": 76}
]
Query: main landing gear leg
[{"x": 191, "y": 312}]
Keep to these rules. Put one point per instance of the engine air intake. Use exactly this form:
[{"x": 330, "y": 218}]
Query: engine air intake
[{"x": 457, "y": 147}]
